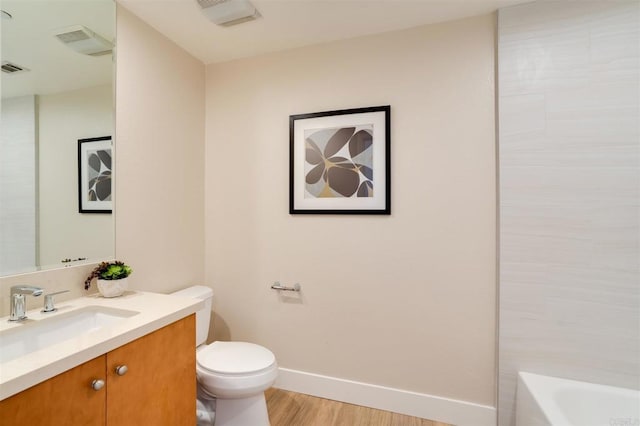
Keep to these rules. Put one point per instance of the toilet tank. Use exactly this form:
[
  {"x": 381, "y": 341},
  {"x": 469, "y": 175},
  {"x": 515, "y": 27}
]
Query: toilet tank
[{"x": 203, "y": 315}]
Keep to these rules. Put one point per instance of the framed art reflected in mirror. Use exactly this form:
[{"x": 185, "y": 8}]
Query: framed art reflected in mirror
[{"x": 94, "y": 175}]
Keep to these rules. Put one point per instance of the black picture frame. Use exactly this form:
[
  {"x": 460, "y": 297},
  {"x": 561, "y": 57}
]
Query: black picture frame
[
  {"x": 95, "y": 189},
  {"x": 356, "y": 144}
]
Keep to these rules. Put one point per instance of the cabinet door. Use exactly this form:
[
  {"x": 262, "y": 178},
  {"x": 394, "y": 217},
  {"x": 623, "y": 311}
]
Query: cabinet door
[
  {"x": 66, "y": 399},
  {"x": 159, "y": 386}
]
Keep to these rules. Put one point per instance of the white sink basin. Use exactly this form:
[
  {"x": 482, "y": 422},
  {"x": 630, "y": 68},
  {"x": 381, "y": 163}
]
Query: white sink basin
[{"x": 34, "y": 335}]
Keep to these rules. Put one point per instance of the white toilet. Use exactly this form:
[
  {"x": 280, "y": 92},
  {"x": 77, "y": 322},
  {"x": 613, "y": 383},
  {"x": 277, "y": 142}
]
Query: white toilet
[{"x": 232, "y": 376}]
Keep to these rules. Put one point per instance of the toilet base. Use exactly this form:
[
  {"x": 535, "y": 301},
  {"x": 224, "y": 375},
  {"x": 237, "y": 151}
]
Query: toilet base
[
  {"x": 251, "y": 411},
  {"x": 205, "y": 411}
]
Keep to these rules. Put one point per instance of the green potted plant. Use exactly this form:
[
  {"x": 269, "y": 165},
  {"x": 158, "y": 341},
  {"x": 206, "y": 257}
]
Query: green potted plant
[{"x": 111, "y": 278}]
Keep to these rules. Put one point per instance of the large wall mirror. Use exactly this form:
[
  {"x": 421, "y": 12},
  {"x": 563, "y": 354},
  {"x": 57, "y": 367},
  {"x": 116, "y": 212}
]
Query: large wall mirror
[{"x": 57, "y": 86}]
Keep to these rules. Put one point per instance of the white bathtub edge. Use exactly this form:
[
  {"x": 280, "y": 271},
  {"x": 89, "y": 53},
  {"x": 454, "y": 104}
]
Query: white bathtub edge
[
  {"x": 529, "y": 410},
  {"x": 553, "y": 401}
]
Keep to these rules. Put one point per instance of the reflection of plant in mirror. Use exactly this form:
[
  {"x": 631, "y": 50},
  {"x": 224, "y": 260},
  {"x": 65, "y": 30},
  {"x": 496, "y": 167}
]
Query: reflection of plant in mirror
[{"x": 115, "y": 270}]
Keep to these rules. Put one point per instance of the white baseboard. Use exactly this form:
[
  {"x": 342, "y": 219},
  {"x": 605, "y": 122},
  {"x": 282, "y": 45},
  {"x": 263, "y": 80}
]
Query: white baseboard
[{"x": 455, "y": 412}]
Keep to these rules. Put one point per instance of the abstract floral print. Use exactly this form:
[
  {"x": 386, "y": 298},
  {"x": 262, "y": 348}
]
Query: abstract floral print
[
  {"x": 339, "y": 162},
  {"x": 99, "y": 174}
]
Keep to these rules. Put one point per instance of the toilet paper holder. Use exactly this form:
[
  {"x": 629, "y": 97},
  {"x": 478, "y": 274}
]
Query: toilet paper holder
[{"x": 277, "y": 286}]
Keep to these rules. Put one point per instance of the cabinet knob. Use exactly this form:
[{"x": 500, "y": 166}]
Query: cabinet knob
[
  {"x": 121, "y": 370},
  {"x": 97, "y": 384}
]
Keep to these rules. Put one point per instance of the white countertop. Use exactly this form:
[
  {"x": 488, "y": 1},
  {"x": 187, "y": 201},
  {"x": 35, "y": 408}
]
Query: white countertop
[{"x": 155, "y": 311}]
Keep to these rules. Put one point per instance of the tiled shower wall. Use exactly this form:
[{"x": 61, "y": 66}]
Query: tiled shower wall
[
  {"x": 569, "y": 194},
  {"x": 18, "y": 157}
]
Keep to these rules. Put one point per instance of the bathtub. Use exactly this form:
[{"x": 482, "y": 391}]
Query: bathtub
[{"x": 551, "y": 401}]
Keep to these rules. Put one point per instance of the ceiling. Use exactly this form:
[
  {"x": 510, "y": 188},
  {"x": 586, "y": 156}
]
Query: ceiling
[
  {"x": 287, "y": 24},
  {"x": 28, "y": 39}
]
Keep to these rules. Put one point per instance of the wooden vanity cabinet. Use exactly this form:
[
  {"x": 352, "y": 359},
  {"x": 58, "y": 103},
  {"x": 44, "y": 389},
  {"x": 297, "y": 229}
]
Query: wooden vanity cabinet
[
  {"x": 66, "y": 399},
  {"x": 158, "y": 387}
]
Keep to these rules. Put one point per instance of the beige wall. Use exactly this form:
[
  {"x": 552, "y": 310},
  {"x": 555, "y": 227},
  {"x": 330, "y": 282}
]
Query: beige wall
[
  {"x": 63, "y": 119},
  {"x": 159, "y": 169},
  {"x": 160, "y": 158},
  {"x": 407, "y": 300}
]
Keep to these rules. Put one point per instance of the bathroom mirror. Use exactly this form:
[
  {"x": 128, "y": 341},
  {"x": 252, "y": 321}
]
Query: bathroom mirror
[{"x": 57, "y": 85}]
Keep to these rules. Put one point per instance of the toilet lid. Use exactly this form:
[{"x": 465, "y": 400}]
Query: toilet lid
[{"x": 234, "y": 358}]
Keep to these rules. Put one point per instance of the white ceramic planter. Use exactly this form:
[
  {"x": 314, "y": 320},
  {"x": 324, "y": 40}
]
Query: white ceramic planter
[{"x": 112, "y": 288}]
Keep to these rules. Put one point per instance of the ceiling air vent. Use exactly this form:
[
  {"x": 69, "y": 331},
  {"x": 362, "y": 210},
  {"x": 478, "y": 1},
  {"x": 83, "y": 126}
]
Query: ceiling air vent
[
  {"x": 11, "y": 68},
  {"x": 83, "y": 40},
  {"x": 229, "y": 12}
]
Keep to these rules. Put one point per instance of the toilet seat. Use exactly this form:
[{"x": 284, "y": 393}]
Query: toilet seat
[
  {"x": 235, "y": 359},
  {"x": 235, "y": 369}
]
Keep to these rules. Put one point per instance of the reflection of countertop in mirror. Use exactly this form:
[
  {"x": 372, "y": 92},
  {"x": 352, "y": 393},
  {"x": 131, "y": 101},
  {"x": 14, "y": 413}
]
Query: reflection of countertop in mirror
[{"x": 144, "y": 313}]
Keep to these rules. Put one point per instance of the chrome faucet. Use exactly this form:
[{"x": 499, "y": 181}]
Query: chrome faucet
[
  {"x": 18, "y": 305},
  {"x": 48, "y": 301}
]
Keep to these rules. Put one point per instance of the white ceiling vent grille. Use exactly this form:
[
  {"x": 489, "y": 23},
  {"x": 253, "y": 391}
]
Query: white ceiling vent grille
[
  {"x": 72, "y": 36},
  {"x": 83, "y": 40},
  {"x": 11, "y": 68},
  {"x": 229, "y": 12}
]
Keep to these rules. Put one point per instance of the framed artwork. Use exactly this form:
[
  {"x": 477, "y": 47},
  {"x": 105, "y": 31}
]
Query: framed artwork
[
  {"x": 339, "y": 162},
  {"x": 94, "y": 175}
]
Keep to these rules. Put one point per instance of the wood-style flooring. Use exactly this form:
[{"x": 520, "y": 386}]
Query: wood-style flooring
[{"x": 296, "y": 409}]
